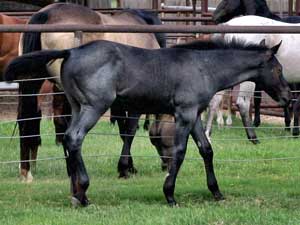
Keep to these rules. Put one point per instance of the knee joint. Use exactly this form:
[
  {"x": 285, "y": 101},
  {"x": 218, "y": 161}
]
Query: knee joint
[{"x": 72, "y": 142}]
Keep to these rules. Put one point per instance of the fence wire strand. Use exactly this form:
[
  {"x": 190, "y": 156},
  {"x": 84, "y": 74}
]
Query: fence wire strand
[{"x": 155, "y": 157}]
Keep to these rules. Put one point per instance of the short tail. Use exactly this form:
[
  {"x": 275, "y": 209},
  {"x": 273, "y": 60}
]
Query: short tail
[{"x": 32, "y": 65}]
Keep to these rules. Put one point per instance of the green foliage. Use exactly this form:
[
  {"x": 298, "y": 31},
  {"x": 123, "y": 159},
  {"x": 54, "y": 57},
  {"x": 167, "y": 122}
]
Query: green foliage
[{"x": 262, "y": 192}]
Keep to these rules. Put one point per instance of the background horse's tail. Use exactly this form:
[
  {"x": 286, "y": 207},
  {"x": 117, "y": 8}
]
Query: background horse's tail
[
  {"x": 31, "y": 41},
  {"x": 151, "y": 18},
  {"x": 32, "y": 65}
]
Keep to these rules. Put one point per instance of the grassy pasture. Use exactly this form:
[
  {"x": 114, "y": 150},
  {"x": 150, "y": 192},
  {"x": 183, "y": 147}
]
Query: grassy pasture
[{"x": 257, "y": 192}]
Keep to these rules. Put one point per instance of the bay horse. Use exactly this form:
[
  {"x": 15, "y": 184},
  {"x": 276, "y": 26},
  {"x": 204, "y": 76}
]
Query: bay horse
[
  {"x": 9, "y": 43},
  {"x": 178, "y": 81},
  {"x": 61, "y": 13}
]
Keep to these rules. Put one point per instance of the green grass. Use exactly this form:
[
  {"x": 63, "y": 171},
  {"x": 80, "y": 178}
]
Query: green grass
[{"x": 264, "y": 192}]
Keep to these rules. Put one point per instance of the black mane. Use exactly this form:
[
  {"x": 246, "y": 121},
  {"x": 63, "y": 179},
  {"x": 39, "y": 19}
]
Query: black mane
[
  {"x": 221, "y": 44},
  {"x": 228, "y": 9}
]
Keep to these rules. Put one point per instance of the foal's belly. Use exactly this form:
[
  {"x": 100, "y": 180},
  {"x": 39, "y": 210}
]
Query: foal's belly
[{"x": 145, "y": 105}]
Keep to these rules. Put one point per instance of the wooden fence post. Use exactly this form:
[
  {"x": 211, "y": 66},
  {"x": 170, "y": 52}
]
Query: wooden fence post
[{"x": 78, "y": 35}]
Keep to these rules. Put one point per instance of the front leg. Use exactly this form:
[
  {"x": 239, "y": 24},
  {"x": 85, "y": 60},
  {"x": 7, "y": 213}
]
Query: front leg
[
  {"x": 287, "y": 118},
  {"x": 243, "y": 104},
  {"x": 257, "y": 102},
  {"x": 184, "y": 122},
  {"x": 296, "y": 109},
  {"x": 206, "y": 152}
]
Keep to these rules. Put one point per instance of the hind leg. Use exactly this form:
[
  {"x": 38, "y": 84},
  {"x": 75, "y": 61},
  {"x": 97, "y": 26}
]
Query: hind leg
[
  {"x": 80, "y": 125},
  {"x": 228, "y": 97},
  {"x": 213, "y": 108},
  {"x": 127, "y": 131},
  {"x": 33, "y": 156},
  {"x": 61, "y": 107},
  {"x": 27, "y": 145},
  {"x": 24, "y": 166},
  {"x": 29, "y": 129}
]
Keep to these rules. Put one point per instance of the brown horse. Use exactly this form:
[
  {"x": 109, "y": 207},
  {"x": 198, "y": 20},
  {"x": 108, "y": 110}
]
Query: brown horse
[
  {"x": 161, "y": 133},
  {"x": 9, "y": 43},
  {"x": 74, "y": 14}
]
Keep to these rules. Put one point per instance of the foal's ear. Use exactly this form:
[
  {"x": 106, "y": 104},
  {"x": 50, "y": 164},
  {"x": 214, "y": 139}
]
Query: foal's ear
[
  {"x": 263, "y": 43},
  {"x": 275, "y": 48}
]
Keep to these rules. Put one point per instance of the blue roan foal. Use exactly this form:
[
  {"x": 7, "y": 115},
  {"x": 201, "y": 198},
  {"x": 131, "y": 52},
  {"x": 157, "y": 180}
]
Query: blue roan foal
[{"x": 179, "y": 81}]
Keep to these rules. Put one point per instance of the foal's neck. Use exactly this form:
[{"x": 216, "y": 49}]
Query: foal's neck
[{"x": 237, "y": 67}]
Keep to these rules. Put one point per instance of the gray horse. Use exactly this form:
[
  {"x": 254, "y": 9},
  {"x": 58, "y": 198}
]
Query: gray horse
[{"x": 179, "y": 81}]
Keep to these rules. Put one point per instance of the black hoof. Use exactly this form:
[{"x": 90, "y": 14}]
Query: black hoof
[
  {"x": 296, "y": 132},
  {"x": 255, "y": 141},
  {"x": 173, "y": 204},
  {"x": 124, "y": 174},
  {"x": 132, "y": 170},
  {"x": 218, "y": 196},
  {"x": 288, "y": 129},
  {"x": 256, "y": 123},
  {"x": 84, "y": 202}
]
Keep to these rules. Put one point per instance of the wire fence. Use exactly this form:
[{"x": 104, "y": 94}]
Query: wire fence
[{"x": 149, "y": 157}]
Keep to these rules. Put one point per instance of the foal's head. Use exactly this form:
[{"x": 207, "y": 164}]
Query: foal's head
[{"x": 271, "y": 79}]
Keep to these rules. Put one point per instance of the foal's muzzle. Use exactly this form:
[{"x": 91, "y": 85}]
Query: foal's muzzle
[{"x": 285, "y": 100}]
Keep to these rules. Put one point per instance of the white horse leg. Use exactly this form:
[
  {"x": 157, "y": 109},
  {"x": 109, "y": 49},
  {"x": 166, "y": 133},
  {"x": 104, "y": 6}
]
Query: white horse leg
[
  {"x": 220, "y": 118},
  {"x": 213, "y": 108},
  {"x": 243, "y": 103},
  {"x": 219, "y": 109},
  {"x": 227, "y": 98},
  {"x": 29, "y": 177}
]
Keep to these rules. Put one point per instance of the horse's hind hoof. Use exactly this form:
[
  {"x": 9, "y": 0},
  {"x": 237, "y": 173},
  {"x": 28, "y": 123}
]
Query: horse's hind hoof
[
  {"x": 173, "y": 204},
  {"x": 77, "y": 203},
  {"x": 218, "y": 196},
  {"x": 255, "y": 141},
  {"x": 123, "y": 174},
  {"x": 256, "y": 123},
  {"x": 295, "y": 132},
  {"x": 132, "y": 170}
]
